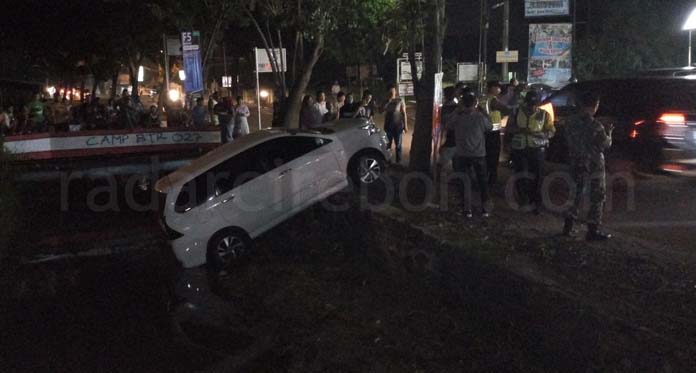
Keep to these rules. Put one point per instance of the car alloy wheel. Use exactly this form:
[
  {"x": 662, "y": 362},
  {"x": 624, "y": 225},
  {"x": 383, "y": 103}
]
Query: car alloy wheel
[
  {"x": 230, "y": 247},
  {"x": 369, "y": 170}
]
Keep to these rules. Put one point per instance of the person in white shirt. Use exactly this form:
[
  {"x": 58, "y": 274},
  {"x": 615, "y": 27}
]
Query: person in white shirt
[
  {"x": 321, "y": 103},
  {"x": 241, "y": 123}
]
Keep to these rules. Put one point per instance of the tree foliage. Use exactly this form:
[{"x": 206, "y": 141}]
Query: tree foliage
[{"x": 629, "y": 35}]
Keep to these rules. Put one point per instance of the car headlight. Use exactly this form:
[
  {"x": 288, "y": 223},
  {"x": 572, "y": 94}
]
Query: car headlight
[{"x": 370, "y": 128}]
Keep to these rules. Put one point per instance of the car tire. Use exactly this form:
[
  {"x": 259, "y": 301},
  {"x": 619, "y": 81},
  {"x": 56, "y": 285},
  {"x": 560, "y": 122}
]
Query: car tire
[
  {"x": 365, "y": 169},
  {"x": 227, "y": 248}
]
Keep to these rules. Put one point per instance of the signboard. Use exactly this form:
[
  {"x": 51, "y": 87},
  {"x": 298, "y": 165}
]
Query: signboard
[
  {"x": 550, "y": 57},
  {"x": 437, "y": 107},
  {"x": 467, "y": 72},
  {"x": 404, "y": 76},
  {"x": 506, "y": 56},
  {"x": 546, "y": 8},
  {"x": 263, "y": 63},
  {"x": 192, "y": 61},
  {"x": 174, "y": 46},
  {"x": 226, "y": 82}
]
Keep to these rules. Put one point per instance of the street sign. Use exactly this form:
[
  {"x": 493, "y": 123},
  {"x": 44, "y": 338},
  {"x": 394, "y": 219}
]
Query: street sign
[
  {"x": 263, "y": 63},
  {"x": 467, "y": 71},
  {"x": 226, "y": 82},
  {"x": 506, "y": 56}
]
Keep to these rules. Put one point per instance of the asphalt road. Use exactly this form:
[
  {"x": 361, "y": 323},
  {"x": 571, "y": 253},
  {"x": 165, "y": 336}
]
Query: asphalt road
[{"x": 657, "y": 208}]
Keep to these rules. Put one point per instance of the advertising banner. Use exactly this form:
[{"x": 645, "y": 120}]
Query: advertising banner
[
  {"x": 546, "y": 8},
  {"x": 550, "y": 57},
  {"x": 437, "y": 107},
  {"x": 190, "y": 45}
]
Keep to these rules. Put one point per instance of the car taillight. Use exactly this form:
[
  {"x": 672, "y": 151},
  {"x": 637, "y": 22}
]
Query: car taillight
[{"x": 673, "y": 119}]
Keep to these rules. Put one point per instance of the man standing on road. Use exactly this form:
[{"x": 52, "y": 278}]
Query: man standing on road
[
  {"x": 587, "y": 140},
  {"x": 470, "y": 127},
  {"x": 495, "y": 110},
  {"x": 395, "y": 121},
  {"x": 531, "y": 129}
]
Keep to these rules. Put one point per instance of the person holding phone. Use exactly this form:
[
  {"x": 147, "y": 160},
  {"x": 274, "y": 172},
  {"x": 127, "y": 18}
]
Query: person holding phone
[{"x": 587, "y": 140}]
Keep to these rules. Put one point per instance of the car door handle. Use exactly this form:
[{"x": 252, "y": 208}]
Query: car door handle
[{"x": 228, "y": 199}]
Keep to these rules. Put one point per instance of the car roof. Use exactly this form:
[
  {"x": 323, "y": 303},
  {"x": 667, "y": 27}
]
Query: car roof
[{"x": 666, "y": 72}]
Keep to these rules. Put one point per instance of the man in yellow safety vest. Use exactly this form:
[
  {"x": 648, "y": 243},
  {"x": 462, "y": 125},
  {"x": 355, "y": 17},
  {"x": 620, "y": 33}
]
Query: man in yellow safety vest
[{"x": 531, "y": 129}]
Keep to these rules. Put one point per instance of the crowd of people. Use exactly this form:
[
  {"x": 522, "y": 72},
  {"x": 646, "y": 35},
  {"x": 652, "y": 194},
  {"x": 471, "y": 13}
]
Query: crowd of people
[
  {"x": 473, "y": 144},
  {"x": 59, "y": 114},
  {"x": 317, "y": 110}
]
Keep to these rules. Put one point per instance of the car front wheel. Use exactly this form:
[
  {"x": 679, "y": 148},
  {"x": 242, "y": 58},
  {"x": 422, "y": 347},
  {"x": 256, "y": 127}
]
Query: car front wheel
[
  {"x": 227, "y": 248},
  {"x": 367, "y": 169}
]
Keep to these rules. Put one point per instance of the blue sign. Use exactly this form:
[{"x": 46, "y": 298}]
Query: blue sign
[{"x": 192, "y": 62}]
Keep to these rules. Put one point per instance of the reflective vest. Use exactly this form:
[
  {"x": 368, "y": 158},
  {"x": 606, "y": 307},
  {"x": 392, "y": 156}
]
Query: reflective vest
[
  {"x": 534, "y": 135},
  {"x": 495, "y": 116}
]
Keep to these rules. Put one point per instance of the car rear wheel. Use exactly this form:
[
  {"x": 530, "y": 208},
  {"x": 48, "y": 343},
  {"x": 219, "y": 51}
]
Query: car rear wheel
[{"x": 228, "y": 248}]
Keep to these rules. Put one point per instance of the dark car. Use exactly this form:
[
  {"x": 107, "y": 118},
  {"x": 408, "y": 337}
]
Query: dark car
[{"x": 655, "y": 118}]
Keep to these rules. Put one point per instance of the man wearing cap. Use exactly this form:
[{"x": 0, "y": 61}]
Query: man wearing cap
[{"x": 531, "y": 129}]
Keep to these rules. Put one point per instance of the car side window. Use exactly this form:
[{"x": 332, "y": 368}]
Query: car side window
[
  {"x": 280, "y": 151},
  {"x": 222, "y": 178},
  {"x": 245, "y": 167}
]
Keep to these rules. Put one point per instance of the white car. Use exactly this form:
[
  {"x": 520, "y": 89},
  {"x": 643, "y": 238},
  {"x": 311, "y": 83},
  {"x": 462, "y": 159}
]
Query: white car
[{"x": 218, "y": 203}]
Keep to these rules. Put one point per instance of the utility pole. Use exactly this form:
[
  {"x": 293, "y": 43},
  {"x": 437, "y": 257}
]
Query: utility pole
[
  {"x": 506, "y": 36},
  {"x": 484, "y": 42},
  {"x": 574, "y": 35},
  {"x": 166, "y": 66}
]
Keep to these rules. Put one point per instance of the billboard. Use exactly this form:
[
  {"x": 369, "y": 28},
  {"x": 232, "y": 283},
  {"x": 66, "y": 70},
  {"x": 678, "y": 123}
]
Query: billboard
[
  {"x": 546, "y": 8},
  {"x": 467, "y": 72},
  {"x": 190, "y": 45},
  {"x": 550, "y": 55}
]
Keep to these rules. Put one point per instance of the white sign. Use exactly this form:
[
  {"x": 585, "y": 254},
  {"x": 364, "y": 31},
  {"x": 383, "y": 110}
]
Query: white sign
[
  {"x": 546, "y": 8},
  {"x": 467, "y": 72},
  {"x": 86, "y": 141},
  {"x": 406, "y": 89},
  {"x": 506, "y": 56},
  {"x": 174, "y": 46},
  {"x": 405, "y": 70},
  {"x": 263, "y": 63},
  {"x": 226, "y": 82}
]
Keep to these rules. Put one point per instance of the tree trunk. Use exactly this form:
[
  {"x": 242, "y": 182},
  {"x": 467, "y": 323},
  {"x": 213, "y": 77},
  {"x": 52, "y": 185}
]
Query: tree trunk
[
  {"x": 421, "y": 145},
  {"x": 299, "y": 86},
  {"x": 95, "y": 84},
  {"x": 132, "y": 72},
  {"x": 114, "y": 84}
]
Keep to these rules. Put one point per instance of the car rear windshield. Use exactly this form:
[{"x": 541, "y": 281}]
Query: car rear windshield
[{"x": 640, "y": 97}]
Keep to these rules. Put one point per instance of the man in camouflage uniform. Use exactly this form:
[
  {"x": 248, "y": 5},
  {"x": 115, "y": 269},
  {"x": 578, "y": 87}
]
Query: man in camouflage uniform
[{"x": 587, "y": 140}]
